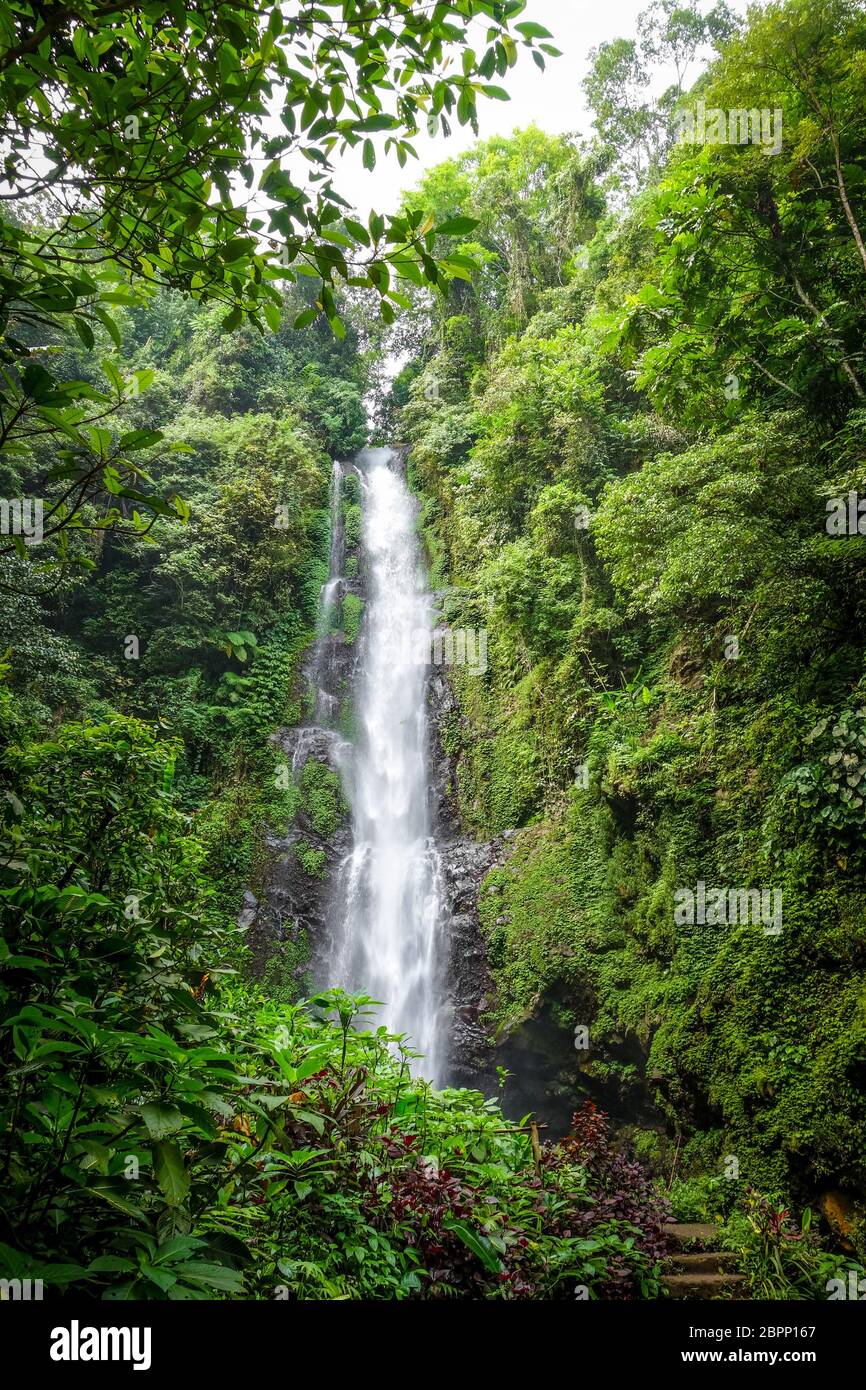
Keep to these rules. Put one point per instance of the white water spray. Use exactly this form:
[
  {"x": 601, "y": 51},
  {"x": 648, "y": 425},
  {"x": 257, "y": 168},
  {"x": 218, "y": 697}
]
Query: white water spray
[{"x": 390, "y": 893}]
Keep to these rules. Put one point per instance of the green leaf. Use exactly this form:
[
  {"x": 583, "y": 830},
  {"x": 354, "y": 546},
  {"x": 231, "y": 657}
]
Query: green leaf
[
  {"x": 111, "y": 1264},
  {"x": 170, "y": 1173},
  {"x": 114, "y": 1191},
  {"x": 84, "y": 331},
  {"x": 532, "y": 30},
  {"x": 232, "y": 320},
  {"x": 477, "y": 1244},
  {"x": 456, "y": 226},
  {"x": 211, "y": 1276},
  {"x": 237, "y": 247},
  {"x": 357, "y": 230},
  {"x": 161, "y": 1120},
  {"x": 139, "y": 439},
  {"x": 144, "y": 378}
]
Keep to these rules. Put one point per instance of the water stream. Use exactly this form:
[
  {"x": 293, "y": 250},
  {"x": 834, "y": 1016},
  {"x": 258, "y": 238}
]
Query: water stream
[
  {"x": 326, "y": 702},
  {"x": 388, "y": 897}
]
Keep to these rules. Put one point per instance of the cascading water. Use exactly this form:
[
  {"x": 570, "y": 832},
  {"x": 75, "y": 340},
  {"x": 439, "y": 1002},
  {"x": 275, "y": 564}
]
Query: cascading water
[
  {"x": 389, "y": 894},
  {"x": 325, "y": 701},
  {"x": 321, "y": 673}
]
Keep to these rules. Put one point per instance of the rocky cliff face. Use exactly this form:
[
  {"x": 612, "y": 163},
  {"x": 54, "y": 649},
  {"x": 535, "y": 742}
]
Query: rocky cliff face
[
  {"x": 289, "y": 923},
  {"x": 465, "y": 862},
  {"x": 292, "y": 916}
]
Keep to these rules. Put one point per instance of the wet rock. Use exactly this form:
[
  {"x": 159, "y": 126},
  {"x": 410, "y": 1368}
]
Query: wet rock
[
  {"x": 465, "y": 863},
  {"x": 295, "y": 902},
  {"x": 326, "y": 746},
  {"x": 247, "y": 914}
]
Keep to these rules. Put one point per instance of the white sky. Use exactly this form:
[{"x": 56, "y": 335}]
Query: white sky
[{"x": 552, "y": 99}]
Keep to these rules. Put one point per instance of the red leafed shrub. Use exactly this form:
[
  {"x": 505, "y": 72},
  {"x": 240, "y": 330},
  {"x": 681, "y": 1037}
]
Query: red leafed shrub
[
  {"x": 622, "y": 1191},
  {"x": 430, "y": 1207},
  {"x": 422, "y": 1200},
  {"x": 582, "y": 1216}
]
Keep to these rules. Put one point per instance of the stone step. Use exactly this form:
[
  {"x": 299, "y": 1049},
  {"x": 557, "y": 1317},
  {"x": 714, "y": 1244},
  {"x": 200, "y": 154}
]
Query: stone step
[
  {"x": 703, "y": 1285},
  {"x": 687, "y": 1234},
  {"x": 703, "y": 1262}
]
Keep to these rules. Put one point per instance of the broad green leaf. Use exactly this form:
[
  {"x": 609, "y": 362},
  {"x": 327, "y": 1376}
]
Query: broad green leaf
[{"x": 170, "y": 1173}]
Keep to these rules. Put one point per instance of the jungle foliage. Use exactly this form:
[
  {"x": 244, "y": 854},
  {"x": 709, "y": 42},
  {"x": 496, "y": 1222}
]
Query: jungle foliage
[
  {"x": 628, "y": 434},
  {"x": 634, "y": 393},
  {"x": 180, "y": 364}
]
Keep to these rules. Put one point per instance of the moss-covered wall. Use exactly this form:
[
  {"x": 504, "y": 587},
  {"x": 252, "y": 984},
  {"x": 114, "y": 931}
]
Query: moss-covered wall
[{"x": 752, "y": 1044}]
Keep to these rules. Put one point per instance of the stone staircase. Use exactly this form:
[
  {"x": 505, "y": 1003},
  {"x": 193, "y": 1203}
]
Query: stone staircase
[{"x": 695, "y": 1269}]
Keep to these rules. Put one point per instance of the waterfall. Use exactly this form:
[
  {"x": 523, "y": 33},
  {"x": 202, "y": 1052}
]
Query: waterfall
[
  {"x": 389, "y": 893},
  {"x": 325, "y": 701}
]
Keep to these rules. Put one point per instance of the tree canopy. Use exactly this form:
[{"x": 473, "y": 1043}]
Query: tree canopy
[{"x": 191, "y": 146}]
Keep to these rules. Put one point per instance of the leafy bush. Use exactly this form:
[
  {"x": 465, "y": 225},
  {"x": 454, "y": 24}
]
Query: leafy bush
[
  {"x": 702, "y": 1198},
  {"x": 831, "y": 790},
  {"x": 353, "y": 611},
  {"x": 311, "y": 860},
  {"x": 353, "y": 521},
  {"x": 321, "y": 797},
  {"x": 780, "y": 1259}
]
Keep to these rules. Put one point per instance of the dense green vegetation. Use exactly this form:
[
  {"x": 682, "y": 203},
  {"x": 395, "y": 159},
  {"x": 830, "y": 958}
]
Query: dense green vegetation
[
  {"x": 174, "y": 388},
  {"x": 633, "y": 381},
  {"x": 626, "y": 435}
]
